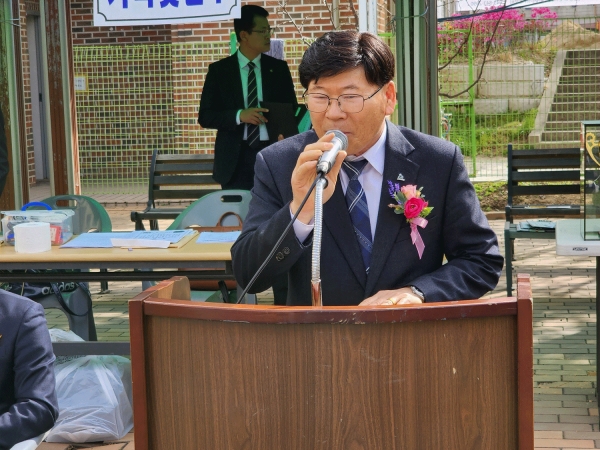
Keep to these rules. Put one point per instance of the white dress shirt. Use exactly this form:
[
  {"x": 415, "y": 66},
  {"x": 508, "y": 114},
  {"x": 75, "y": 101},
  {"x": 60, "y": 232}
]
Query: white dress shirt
[
  {"x": 245, "y": 71},
  {"x": 371, "y": 179}
]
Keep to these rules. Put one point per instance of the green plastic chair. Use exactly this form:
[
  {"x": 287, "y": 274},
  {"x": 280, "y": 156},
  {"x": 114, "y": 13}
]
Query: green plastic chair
[
  {"x": 89, "y": 214},
  {"x": 206, "y": 211}
]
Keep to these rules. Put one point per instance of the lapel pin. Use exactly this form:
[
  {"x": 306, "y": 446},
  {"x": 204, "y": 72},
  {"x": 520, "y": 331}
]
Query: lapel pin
[{"x": 400, "y": 177}]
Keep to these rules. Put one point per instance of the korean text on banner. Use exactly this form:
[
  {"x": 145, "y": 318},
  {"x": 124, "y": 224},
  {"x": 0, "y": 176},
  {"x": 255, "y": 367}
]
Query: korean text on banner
[{"x": 157, "y": 12}]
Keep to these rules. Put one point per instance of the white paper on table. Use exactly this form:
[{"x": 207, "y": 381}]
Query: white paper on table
[
  {"x": 173, "y": 236},
  {"x": 95, "y": 240},
  {"x": 211, "y": 237},
  {"x": 139, "y": 243}
]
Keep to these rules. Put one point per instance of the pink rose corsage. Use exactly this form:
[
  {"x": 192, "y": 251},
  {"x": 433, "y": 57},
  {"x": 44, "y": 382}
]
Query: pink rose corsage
[{"x": 412, "y": 204}]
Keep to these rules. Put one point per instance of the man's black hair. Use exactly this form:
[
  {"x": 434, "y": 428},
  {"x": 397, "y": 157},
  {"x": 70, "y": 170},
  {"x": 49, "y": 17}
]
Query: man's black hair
[
  {"x": 339, "y": 51},
  {"x": 246, "y": 22}
]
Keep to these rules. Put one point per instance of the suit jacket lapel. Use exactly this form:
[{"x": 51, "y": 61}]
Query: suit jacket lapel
[
  {"x": 234, "y": 83},
  {"x": 389, "y": 224},
  {"x": 337, "y": 220}
]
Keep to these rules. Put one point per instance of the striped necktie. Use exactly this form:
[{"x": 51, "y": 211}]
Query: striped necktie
[
  {"x": 252, "y": 130},
  {"x": 356, "y": 200}
]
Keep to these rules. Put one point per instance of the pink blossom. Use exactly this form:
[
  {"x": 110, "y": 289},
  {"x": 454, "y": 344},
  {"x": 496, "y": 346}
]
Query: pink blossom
[
  {"x": 409, "y": 191},
  {"x": 496, "y": 28},
  {"x": 546, "y": 13}
]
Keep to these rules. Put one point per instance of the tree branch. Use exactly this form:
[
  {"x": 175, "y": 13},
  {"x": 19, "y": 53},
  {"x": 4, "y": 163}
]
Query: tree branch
[
  {"x": 463, "y": 42},
  {"x": 282, "y": 4},
  {"x": 355, "y": 13},
  {"x": 330, "y": 10},
  {"x": 489, "y": 44},
  {"x": 458, "y": 50}
]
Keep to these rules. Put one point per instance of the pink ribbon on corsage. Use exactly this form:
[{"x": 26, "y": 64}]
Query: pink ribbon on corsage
[{"x": 415, "y": 236}]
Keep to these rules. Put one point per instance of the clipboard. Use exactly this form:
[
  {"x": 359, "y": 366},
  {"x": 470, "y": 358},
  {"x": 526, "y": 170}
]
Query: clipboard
[
  {"x": 148, "y": 243},
  {"x": 281, "y": 120},
  {"x": 183, "y": 240},
  {"x": 180, "y": 242}
]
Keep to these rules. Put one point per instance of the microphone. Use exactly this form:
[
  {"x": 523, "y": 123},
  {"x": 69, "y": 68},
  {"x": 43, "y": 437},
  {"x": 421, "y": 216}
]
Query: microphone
[{"x": 327, "y": 159}]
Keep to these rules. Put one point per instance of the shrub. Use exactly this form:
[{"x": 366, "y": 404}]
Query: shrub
[
  {"x": 506, "y": 24},
  {"x": 542, "y": 19}
]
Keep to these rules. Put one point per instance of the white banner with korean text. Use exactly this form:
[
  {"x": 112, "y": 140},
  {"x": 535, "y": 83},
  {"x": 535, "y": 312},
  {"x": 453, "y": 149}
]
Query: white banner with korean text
[{"x": 158, "y": 12}]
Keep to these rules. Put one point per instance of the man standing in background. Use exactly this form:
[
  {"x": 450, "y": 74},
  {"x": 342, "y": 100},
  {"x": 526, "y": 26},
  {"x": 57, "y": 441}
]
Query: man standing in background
[
  {"x": 233, "y": 91},
  {"x": 3, "y": 155}
]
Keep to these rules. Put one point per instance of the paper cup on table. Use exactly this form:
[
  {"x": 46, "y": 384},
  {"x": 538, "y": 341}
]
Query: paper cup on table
[{"x": 32, "y": 237}]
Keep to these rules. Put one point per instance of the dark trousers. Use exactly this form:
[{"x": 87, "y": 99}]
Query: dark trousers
[
  {"x": 243, "y": 178},
  {"x": 243, "y": 175}
]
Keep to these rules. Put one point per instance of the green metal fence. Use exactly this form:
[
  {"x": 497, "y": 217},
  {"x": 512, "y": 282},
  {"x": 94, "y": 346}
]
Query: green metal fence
[
  {"x": 133, "y": 99},
  {"x": 504, "y": 79},
  {"x": 507, "y": 80},
  {"x": 125, "y": 110}
]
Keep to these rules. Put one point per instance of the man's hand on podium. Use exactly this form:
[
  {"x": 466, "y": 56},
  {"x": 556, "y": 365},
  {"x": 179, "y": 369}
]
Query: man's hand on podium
[{"x": 403, "y": 296}]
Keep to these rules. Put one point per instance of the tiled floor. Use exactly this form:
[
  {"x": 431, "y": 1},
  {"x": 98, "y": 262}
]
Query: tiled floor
[
  {"x": 120, "y": 444},
  {"x": 566, "y": 414}
]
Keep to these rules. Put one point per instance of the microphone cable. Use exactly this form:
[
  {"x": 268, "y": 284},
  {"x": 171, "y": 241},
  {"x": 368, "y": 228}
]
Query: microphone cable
[{"x": 281, "y": 238}]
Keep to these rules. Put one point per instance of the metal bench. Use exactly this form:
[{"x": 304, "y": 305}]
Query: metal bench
[
  {"x": 538, "y": 172},
  {"x": 174, "y": 178}
]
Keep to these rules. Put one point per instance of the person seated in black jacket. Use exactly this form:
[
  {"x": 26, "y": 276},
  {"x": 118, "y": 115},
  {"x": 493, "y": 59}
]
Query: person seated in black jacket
[{"x": 28, "y": 403}]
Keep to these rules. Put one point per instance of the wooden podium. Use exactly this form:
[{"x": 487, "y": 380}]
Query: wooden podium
[{"x": 454, "y": 375}]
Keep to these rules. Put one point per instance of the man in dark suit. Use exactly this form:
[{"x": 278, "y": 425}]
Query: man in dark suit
[
  {"x": 373, "y": 261},
  {"x": 28, "y": 404},
  {"x": 231, "y": 105},
  {"x": 227, "y": 104}
]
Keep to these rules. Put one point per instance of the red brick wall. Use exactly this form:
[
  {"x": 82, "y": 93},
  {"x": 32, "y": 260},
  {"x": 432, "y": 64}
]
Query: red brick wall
[
  {"x": 114, "y": 141},
  {"x": 84, "y": 33},
  {"x": 126, "y": 111}
]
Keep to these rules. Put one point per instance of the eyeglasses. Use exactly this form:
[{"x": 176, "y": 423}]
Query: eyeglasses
[
  {"x": 265, "y": 31},
  {"x": 348, "y": 103}
]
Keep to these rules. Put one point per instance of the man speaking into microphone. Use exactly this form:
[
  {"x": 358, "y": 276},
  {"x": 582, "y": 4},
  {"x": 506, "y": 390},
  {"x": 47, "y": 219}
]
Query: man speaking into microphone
[{"x": 397, "y": 201}]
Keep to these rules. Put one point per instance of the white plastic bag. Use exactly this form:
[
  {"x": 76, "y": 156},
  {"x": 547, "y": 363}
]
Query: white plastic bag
[
  {"x": 94, "y": 398},
  {"x": 58, "y": 335}
]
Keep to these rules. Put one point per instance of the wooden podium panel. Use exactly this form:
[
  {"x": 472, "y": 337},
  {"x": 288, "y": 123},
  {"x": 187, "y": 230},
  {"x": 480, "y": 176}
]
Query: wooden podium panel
[{"x": 453, "y": 375}]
